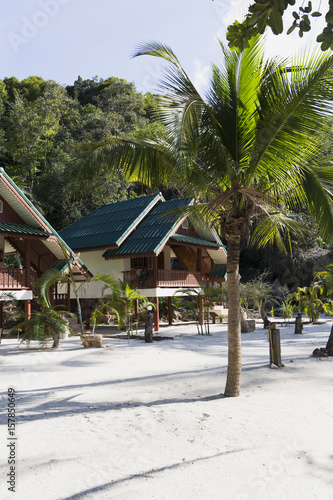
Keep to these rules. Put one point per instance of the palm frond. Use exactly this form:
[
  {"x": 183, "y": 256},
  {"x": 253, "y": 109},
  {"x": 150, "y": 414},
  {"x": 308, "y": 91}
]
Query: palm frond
[
  {"x": 316, "y": 186},
  {"x": 143, "y": 160},
  {"x": 45, "y": 282},
  {"x": 277, "y": 229},
  {"x": 290, "y": 113}
]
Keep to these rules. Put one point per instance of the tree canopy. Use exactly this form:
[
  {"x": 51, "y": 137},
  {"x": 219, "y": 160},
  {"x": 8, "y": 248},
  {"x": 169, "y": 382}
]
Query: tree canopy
[
  {"x": 41, "y": 122},
  {"x": 271, "y": 13}
]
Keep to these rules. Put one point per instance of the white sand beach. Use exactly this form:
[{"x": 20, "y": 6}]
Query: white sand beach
[{"x": 148, "y": 421}]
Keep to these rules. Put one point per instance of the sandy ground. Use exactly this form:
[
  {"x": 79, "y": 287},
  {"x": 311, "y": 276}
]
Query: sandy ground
[{"x": 148, "y": 421}]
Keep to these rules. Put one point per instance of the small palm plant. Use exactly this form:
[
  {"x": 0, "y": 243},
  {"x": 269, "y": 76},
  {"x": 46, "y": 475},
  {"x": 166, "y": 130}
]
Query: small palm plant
[
  {"x": 53, "y": 275},
  {"x": 49, "y": 322},
  {"x": 121, "y": 302},
  {"x": 43, "y": 325},
  {"x": 313, "y": 300},
  {"x": 203, "y": 299},
  {"x": 287, "y": 309}
]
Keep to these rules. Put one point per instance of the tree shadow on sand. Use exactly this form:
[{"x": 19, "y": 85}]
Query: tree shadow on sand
[{"x": 148, "y": 473}]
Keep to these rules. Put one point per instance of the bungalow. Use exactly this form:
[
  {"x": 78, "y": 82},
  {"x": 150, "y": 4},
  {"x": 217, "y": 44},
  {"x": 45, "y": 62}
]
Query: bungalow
[
  {"x": 139, "y": 241},
  {"x": 25, "y": 232}
]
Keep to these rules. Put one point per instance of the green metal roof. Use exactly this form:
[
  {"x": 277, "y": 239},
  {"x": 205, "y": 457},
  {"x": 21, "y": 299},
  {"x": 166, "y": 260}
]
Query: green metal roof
[
  {"x": 195, "y": 240},
  {"x": 19, "y": 228},
  {"x": 152, "y": 231},
  {"x": 219, "y": 271},
  {"x": 108, "y": 225}
]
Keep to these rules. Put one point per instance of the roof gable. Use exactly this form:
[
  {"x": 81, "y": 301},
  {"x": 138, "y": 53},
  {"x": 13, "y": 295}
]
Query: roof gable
[
  {"x": 110, "y": 224},
  {"x": 24, "y": 219},
  {"x": 22, "y": 210},
  {"x": 153, "y": 230}
]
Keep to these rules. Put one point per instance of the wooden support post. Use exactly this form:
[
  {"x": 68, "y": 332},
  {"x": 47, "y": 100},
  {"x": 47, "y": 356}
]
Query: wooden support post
[
  {"x": 213, "y": 318},
  {"x": 156, "y": 315},
  {"x": 155, "y": 267},
  {"x": 170, "y": 311},
  {"x": 136, "y": 309},
  {"x": 199, "y": 260},
  {"x": 27, "y": 261},
  {"x": 27, "y": 309}
]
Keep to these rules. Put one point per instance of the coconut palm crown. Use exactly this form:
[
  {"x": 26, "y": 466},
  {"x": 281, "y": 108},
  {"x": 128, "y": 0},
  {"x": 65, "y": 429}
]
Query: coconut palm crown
[{"x": 251, "y": 147}]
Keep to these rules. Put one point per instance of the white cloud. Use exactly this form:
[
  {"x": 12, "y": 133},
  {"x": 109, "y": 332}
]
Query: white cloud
[{"x": 201, "y": 75}]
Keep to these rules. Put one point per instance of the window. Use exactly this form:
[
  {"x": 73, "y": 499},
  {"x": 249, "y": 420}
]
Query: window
[
  {"x": 1, "y": 206},
  {"x": 185, "y": 224},
  {"x": 176, "y": 265},
  {"x": 141, "y": 262}
]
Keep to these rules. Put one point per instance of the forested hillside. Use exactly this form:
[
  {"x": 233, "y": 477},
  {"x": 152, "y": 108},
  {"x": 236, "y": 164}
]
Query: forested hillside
[{"x": 41, "y": 121}]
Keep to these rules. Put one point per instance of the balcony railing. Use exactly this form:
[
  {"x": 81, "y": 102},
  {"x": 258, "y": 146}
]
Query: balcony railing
[
  {"x": 61, "y": 299},
  {"x": 14, "y": 279},
  {"x": 11, "y": 278},
  {"x": 143, "y": 278},
  {"x": 179, "y": 278}
]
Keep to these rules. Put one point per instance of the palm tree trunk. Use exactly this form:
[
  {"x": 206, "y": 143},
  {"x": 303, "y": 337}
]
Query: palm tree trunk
[
  {"x": 56, "y": 338},
  {"x": 329, "y": 345},
  {"x": 79, "y": 311},
  {"x": 234, "y": 330}
]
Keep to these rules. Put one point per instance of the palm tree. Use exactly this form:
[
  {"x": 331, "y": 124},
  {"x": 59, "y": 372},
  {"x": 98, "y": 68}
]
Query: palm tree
[
  {"x": 251, "y": 146},
  {"x": 42, "y": 325},
  {"x": 120, "y": 301},
  {"x": 53, "y": 275}
]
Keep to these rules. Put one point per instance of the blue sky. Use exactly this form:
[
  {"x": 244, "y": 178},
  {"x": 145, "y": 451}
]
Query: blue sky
[{"x": 61, "y": 39}]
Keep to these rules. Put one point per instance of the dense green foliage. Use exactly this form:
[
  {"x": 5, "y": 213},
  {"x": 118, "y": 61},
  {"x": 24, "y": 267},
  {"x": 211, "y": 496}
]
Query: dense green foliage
[
  {"x": 270, "y": 13},
  {"x": 41, "y": 122}
]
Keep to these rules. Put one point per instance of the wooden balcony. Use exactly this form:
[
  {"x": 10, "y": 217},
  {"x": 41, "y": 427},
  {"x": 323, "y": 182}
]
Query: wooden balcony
[
  {"x": 16, "y": 279},
  {"x": 143, "y": 278}
]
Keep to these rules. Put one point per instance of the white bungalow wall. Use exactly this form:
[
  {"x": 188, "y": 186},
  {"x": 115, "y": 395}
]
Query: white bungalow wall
[{"x": 96, "y": 263}]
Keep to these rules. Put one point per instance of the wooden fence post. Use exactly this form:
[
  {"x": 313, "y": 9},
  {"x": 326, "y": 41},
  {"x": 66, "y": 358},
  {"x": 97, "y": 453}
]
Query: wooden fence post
[
  {"x": 275, "y": 348},
  {"x": 298, "y": 323}
]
